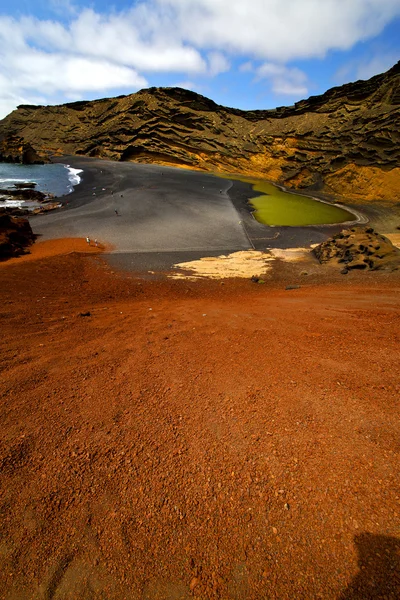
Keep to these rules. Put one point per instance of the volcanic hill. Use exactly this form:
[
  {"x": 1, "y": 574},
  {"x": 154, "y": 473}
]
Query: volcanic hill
[{"x": 345, "y": 142}]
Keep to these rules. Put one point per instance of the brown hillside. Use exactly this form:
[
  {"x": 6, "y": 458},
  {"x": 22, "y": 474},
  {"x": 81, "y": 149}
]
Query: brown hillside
[{"x": 344, "y": 142}]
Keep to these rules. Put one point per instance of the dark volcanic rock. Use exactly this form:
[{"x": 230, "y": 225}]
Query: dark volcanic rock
[
  {"x": 24, "y": 194},
  {"x": 14, "y": 149},
  {"x": 361, "y": 248},
  {"x": 27, "y": 184},
  {"x": 345, "y": 142},
  {"x": 15, "y": 235}
]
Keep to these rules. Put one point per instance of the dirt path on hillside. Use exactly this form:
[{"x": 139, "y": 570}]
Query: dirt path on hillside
[{"x": 172, "y": 440}]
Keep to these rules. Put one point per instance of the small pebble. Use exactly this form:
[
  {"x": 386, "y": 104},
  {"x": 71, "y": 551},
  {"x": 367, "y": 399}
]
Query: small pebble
[{"x": 195, "y": 581}]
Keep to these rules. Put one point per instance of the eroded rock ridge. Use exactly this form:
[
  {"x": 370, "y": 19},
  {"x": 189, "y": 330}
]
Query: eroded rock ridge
[{"x": 345, "y": 142}]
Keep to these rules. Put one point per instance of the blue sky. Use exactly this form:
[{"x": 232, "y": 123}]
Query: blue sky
[{"x": 246, "y": 54}]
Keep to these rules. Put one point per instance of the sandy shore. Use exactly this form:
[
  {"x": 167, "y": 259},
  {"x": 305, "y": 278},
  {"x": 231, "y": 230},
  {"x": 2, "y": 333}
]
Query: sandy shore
[{"x": 170, "y": 216}]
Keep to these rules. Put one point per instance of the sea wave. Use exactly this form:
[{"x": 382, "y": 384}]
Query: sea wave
[
  {"x": 73, "y": 176},
  {"x": 15, "y": 179},
  {"x": 12, "y": 203}
]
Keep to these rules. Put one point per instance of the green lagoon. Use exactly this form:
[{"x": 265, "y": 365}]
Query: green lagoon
[{"x": 276, "y": 207}]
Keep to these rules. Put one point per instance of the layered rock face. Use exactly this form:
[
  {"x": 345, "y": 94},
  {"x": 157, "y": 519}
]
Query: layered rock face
[
  {"x": 345, "y": 142},
  {"x": 14, "y": 149}
]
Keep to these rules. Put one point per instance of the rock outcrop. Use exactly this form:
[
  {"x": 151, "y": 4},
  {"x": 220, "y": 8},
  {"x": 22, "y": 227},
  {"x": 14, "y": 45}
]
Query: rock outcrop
[
  {"x": 18, "y": 193},
  {"x": 15, "y": 235},
  {"x": 14, "y": 149},
  {"x": 345, "y": 142},
  {"x": 31, "y": 198},
  {"x": 359, "y": 248}
]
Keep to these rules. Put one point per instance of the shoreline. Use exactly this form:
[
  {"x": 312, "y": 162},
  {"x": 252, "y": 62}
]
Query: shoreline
[
  {"x": 359, "y": 220},
  {"x": 38, "y": 184},
  {"x": 105, "y": 182}
]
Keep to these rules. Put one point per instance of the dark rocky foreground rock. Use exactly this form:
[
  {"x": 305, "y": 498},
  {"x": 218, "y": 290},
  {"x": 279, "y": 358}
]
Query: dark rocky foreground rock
[
  {"x": 345, "y": 142},
  {"x": 19, "y": 193},
  {"x": 31, "y": 197},
  {"x": 26, "y": 192},
  {"x": 359, "y": 248},
  {"x": 15, "y": 235}
]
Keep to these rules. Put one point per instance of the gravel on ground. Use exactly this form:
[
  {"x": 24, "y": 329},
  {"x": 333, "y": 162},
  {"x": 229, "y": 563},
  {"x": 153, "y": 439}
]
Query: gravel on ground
[{"x": 212, "y": 439}]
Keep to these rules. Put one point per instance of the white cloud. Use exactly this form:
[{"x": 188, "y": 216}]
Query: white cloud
[
  {"x": 122, "y": 38},
  {"x": 217, "y": 63},
  {"x": 284, "y": 80},
  {"x": 56, "y": 72},
  {"x": 280, "y": 30},
  {"x": 85, "y": 51}
]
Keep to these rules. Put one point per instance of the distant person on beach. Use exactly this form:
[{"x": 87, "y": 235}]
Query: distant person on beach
[
  {"x": 116, "y": 212},
  {"x": 96, "y": 243},
  {"x": 88, "y": 241}
]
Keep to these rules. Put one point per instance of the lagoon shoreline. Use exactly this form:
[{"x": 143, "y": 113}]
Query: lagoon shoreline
[{"x": 111, "y": 185}]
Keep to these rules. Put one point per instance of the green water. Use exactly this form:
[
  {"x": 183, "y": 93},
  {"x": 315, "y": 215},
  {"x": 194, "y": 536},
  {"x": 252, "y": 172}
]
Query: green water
[{"x": 275, "y": 207}]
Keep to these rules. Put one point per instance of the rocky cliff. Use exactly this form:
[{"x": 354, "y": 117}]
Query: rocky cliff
[
  {"x": 345, "y": 142},
  {"x": 15, "y": 235}
]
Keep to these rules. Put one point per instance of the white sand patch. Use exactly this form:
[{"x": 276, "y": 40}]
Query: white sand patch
[
  {"x": 290, "y": 254},
  {"x": 238, "y": 264}
]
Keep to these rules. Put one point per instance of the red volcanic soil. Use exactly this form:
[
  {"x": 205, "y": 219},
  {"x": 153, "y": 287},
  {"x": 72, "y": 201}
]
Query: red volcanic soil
[{"x": 174, "y": 440}]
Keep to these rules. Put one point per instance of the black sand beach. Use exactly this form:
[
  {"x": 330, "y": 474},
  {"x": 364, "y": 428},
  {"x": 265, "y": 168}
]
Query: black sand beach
[{"x": 154, "y": 216}]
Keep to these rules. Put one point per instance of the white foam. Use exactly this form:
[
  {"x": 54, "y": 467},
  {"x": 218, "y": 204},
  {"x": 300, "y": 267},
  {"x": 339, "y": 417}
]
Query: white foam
[
  {"x": 12, "y": 203},
  {"x": 15, "y": 179},
  {"x": 73, "y": 176}
]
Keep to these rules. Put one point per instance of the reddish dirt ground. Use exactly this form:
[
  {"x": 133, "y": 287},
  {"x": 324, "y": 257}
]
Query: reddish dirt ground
[{"x": 196, "y": 439}]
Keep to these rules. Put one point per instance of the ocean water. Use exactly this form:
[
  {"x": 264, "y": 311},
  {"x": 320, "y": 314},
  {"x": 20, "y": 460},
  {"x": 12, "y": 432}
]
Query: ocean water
[{"x": 56, "y": 179}]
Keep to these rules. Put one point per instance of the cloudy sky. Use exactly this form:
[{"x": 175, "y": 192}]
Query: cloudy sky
[{"x": 241, "y": 53}]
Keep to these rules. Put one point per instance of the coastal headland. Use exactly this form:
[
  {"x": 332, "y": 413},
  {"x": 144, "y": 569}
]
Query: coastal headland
[{"x": 343, "y": 143}]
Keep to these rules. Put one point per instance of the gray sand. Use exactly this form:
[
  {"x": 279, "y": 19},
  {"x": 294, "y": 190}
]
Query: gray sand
[
  {"x": 165, "y": 215},
  {"x": 160, "y": 209}
]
